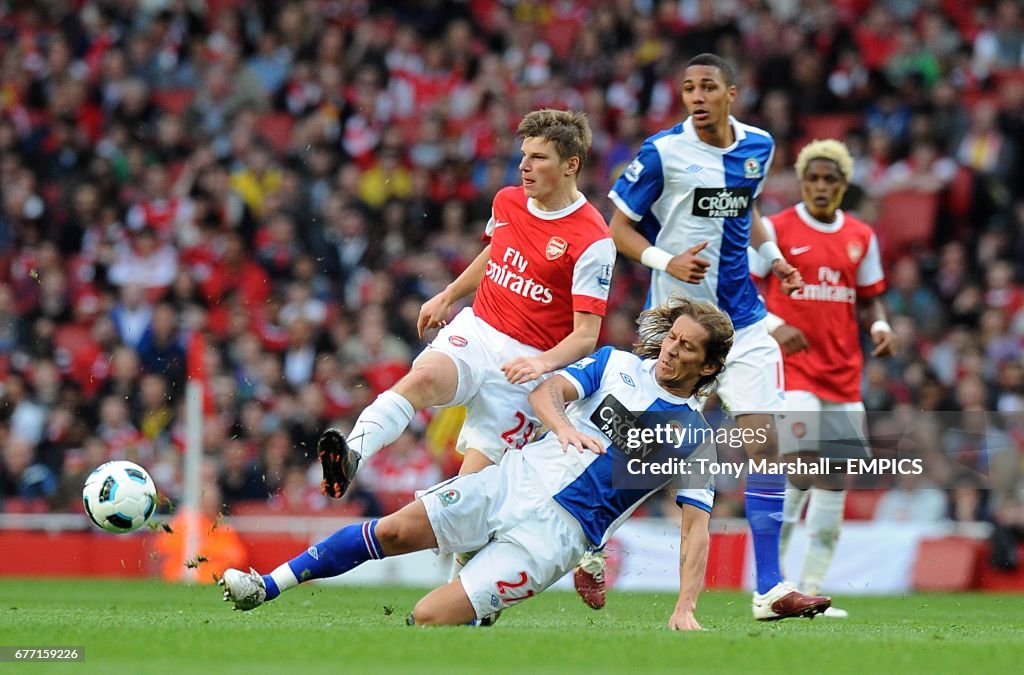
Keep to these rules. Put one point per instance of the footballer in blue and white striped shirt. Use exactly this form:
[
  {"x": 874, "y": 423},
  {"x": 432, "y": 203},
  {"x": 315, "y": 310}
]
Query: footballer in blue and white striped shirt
[{"x": 685, "y": 208}]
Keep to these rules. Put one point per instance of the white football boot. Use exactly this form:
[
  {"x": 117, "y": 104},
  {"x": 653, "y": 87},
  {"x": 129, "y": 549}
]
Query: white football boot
[{"x": 246, "y": 589}]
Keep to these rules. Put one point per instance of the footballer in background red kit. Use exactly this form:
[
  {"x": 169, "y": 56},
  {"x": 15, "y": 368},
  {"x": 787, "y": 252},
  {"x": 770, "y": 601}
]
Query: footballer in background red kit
[{"x": 818, "y": 328}]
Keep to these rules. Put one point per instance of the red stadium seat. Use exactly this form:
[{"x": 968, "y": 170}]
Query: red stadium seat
[
  {"x": 560, "y": 35},
  {"x": 947, "y": 564},
  {"x": 276, "y": 129},
  {"x": 173, "y": 101},
  {"x": 906, "y": 222},
  {"x": 392, "y": 501},
  {"x": 861, "y": 504},
  {"x": 1004, "y": 77},
  {"x": 960, "y": 199},
  {"x": 834, "y": 125}
]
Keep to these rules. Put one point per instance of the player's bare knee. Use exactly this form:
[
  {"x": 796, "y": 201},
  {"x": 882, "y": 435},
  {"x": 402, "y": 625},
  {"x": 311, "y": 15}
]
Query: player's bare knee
[
  {"x": 429, "y": 383},
  {"x": 800, "y": 480},
  {"x": 425, "y": 613},
  {"x": 392, "y": 534}
]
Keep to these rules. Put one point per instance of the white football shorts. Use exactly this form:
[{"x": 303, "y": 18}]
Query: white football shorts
[
  {"x": 753, "y": 381},
  {"x": 526, "y": 541},
  {"x": 498, "y": 415},
  {"x": 810, "y": 424}
]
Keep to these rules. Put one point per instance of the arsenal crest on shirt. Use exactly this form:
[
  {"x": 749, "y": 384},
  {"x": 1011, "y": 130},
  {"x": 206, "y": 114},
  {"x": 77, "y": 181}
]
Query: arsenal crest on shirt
[
  {"x": 555, "y": 248},
  {"x": 855, "y": 251}
]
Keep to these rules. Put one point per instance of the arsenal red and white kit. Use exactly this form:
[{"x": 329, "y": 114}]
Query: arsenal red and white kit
[
  {"x": 543, "y": 267},
  {"x": 839, "y": 263}
]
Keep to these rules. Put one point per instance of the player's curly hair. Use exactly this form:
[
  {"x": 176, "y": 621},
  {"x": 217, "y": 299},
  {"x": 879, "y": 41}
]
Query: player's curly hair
[
  {"x": 569, "y": 131},
  {"x": 830, "y": 149},
  {"x": 655, "y": 323}
]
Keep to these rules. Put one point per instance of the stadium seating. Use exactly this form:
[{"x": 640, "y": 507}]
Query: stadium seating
[
  {"x": 906, "y": 222},
  {"x": 276, "y": 129},
  {"x": 835, "y": 125},
  {"x": 861, "y": 504},
  {"x": 174, "y": 101},
  {"x": 959, "y": 199},
  {"x": 947, "y": 564}
]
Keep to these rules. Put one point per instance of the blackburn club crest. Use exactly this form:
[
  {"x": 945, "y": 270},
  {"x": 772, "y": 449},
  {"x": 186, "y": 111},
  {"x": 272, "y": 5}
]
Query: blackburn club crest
[
  {"x": 555, "y": 248},
  {"x": 752, "y": 168},
  {"x": 855, "y": 251},
  {"x": 449, "y": 497}
]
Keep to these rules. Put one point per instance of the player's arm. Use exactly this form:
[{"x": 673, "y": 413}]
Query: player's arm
[
  {"x": 548, "y": 401},
  {"x": 577, "y": 344},
  {"x": 873, "y": 319},
  {"x": 790, "y": 338},
  {"x": 694, "y": 542},
  {"x": 435, "y": 312},
  {"x": 762, "y": 241},
  {"x": 686, "y": 266}
]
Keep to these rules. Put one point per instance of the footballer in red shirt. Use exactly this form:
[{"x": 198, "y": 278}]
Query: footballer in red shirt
[
  {"x": 818, "y": 328},
  {"x": 541, "y": 286}
]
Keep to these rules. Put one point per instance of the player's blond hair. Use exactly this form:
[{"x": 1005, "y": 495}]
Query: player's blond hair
[
  {"x": 569, "y": 131},
  {"x": 655, "y": 323},
  {"x": 829, "y": 149}
]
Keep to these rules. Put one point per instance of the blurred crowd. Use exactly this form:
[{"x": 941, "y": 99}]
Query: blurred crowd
[{"x": 292, "y": 179}]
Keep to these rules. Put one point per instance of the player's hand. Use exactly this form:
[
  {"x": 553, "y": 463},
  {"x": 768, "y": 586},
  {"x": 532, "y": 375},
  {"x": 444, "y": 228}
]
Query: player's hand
[
  {"x": 688, "y": 267},
  {"x": 570, "y": 435},
  {"x": 683, "y": 619},
  {"x": 790, "y": 338},
  {"x": 433, "y": 314},
  {"x": 788, "y": 275},
  {"x": 524, "y": 369},
  {"x": 885, "y": 343}
]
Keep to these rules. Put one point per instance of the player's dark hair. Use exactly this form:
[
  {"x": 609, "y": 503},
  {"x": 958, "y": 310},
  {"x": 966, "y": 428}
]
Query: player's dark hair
[
  {"x": 655, "y": 323},
  {"x": 569, "y": 131},
  {"x": 715, "y": 61}
]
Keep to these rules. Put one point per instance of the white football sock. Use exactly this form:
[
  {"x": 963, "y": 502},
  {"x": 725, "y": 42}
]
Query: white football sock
[
  {"x": 792, "y": 508},
  {"x": 284, "y": 578},
  {"x": 380, "y": 424},
  {"x": 824, "y": 520}
]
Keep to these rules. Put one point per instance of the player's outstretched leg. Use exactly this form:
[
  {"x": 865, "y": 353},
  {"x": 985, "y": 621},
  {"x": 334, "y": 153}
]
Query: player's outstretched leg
[
  {"x": 344, "y": 550},
  {"x": 588, "y": 578},
  {"x": 339, "y": 463}
]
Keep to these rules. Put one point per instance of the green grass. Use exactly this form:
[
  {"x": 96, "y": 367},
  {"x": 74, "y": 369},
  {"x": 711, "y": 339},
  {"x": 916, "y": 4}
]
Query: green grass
[{"x": 150, "y": 627}]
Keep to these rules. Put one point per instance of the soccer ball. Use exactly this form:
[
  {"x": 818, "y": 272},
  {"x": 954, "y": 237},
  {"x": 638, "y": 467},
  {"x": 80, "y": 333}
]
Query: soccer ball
[{"x": 119, "y": 496}]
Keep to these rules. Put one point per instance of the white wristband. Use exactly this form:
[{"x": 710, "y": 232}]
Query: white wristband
[
  {"x": 656, "y": 258},
  {"x": 773, "y": 321},
  {"x": 881, "y": 325},
  {"x": 769, "y": 252}
]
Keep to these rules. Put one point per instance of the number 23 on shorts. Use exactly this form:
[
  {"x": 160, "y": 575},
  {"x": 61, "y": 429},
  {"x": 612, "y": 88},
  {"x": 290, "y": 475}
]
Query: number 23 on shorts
[{"x": 520, "y": 433}]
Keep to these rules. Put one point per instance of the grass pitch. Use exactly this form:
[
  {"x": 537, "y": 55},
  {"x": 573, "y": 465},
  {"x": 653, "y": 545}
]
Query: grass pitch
[{"x": 151, "y": 627}]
